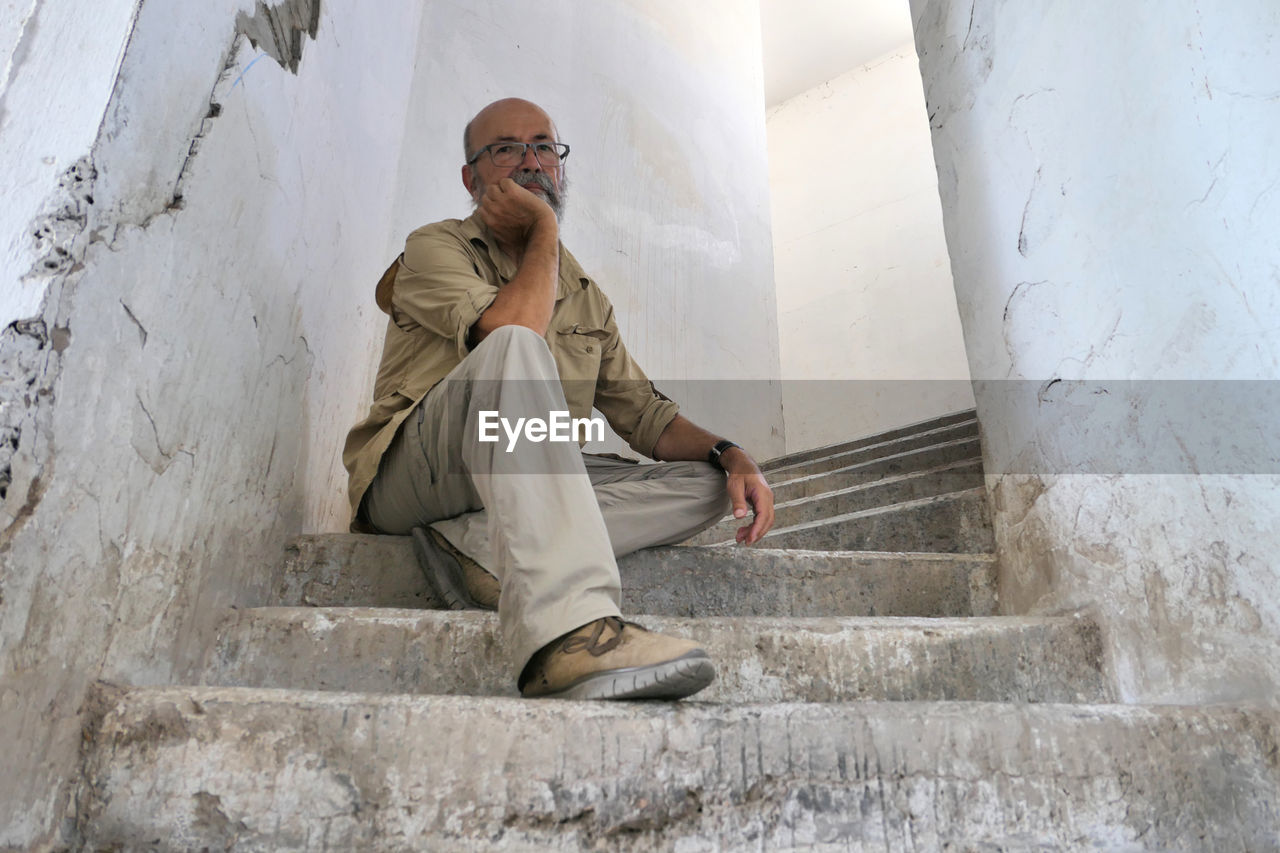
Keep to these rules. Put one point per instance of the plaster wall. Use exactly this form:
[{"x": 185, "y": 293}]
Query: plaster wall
[
  {"x": 42, "y": 137},
  {"x": 867, "y": 323},
  {"x": 662, "y": 103},
  {"x": 194, "y": 366},
  {"x": 182, "y": 389},
  {"x": 1111, "y": 189}
]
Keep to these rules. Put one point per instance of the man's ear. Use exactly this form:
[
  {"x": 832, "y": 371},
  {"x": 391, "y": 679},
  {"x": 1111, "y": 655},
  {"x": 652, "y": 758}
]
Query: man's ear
[{"x": 468, "y": 178}]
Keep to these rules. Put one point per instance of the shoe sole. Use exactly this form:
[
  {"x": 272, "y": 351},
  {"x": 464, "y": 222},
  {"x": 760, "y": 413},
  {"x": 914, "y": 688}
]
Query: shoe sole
[
  {"x": 674, "y": 679},
  {"x": 442, "y": 571}
]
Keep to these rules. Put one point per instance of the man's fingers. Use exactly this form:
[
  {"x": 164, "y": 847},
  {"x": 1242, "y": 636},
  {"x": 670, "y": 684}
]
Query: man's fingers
[
  {"x": 761, "y": 498},
  {"x": 763, "y": 520}
]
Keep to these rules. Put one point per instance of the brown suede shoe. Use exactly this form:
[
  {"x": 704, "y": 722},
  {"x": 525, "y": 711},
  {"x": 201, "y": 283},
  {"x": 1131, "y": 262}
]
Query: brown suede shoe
[
  {"x": 455, "y": 578},
  {"x": 612, "y": 659}
]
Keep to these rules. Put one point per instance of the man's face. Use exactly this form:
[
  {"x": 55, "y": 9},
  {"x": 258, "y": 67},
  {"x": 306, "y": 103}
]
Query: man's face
[{"x": 515, "y": 121}]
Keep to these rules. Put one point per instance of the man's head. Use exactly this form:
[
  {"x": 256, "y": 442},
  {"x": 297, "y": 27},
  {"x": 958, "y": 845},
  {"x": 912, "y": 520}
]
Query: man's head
[{"x": 512, "y": 120}]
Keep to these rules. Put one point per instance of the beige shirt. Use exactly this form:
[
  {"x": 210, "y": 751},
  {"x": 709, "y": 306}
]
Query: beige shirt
[{"x": 449, "y": 274}]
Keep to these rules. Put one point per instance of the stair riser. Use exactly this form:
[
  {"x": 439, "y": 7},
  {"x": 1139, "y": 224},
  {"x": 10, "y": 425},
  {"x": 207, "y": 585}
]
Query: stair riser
[
  {"x": 789, "y": 489},
  {"x": 381, "y": 571},
  {"x": 946, "y": 435},
  {"x": 866, "y": 497},
  {"x": 743, "y": 581},
  {"x": 342, "y": 773},
  {"x": 880, "y": 438},
  {"x": 952, "y": 525},
  {"x": 821, "y": 661}
]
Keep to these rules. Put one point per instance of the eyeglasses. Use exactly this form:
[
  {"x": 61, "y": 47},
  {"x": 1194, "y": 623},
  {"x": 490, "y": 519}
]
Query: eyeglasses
[{"x": 505, "y": 154}]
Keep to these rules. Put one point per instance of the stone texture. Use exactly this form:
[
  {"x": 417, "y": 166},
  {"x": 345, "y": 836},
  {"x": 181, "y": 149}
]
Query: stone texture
[
  {"x": 758, "y": 659},
  {"x": 954, "y": 523},
  {"x": 922, "y": 459},
  {"x": 876, "y": 450},
  {"x": 878, "y": 438},
  {"x": 351, "y": 569},
  {"x": 183, "y": 768},
  {"x": 191, "y": 244},
  {"x": 759, "y": 581},
  {"x": 1123, "y": 371},
  {"x": 774, "y": 756},
  {"x": 340, "y": 570},
  {"x": 893, "y": 489}
]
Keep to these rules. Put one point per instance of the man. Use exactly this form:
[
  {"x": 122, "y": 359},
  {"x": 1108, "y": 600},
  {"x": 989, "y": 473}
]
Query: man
[{"x": 492, "y": 317}]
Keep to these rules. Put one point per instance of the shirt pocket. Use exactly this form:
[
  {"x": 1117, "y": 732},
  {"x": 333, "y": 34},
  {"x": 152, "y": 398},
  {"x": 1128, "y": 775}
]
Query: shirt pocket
[{"x": 577, "y": 350}]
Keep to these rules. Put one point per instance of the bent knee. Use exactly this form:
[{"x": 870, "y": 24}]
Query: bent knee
[
  {"x": 707, "y": 482},
  {"x": 518, "y": 347},
  {"x": 709, "y": 477},
  {"x": 511, "y": 334}
]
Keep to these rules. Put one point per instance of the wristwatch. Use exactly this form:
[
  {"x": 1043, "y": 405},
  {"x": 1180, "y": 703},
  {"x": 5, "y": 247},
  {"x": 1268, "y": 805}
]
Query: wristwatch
[{"x": 716, "y": 452}]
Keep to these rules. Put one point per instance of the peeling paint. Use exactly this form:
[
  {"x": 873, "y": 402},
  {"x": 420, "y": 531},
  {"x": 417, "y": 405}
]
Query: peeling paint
[
  {"x": 56, "y": 232},
  {"x": 24, "y": 347},
  {"x": 278, "y": 30}
]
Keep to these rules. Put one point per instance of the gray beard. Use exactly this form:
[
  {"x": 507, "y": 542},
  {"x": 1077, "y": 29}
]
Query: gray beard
[{"x": 555, "y": 199}]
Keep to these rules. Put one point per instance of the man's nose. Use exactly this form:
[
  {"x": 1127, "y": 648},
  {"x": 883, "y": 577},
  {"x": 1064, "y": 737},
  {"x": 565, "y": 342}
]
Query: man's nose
[{"x": 530, "y": 162}]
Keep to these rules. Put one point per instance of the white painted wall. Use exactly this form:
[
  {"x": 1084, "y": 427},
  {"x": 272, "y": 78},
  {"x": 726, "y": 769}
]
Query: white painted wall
[
  {"x": 213, "y": 357},
  {"x": 1110, "y": 186},
  {"x": 662, "y": 103},
  {"x": 869, "y": 334},
  {"x": 205, "y": 360},
  {"x": 60, "y": 61}
]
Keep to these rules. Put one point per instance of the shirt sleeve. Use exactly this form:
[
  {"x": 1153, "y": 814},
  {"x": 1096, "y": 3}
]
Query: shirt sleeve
[
  {"x": 439, "y": 287},
  {"x": 635, "y": 409}
]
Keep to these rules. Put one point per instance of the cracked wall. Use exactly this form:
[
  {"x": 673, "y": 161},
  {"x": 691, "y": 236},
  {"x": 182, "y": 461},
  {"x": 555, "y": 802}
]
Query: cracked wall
[
  {"x": 206, "y": 335},
  {"x": 185, "y": 342},
  {"x": 1109, "y": 182}
]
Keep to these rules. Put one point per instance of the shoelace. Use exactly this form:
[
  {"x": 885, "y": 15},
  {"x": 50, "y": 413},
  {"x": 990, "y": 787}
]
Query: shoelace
[{"x": 592, "y": 644}]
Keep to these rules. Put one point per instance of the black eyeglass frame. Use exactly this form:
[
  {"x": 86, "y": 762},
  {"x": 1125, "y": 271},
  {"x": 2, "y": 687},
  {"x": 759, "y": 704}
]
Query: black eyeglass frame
[{"x": 561, "y": 150}]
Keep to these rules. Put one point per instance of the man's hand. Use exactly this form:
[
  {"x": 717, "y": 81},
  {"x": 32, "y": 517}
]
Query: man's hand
[
  {"x": 525, "y": 228},
  {"x": 512, "y": 212},
  {"x": 747, "y": 489}
]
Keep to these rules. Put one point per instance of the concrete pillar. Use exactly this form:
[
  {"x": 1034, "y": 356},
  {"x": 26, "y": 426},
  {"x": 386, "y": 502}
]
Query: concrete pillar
[{"x": 1111, "y": 197}]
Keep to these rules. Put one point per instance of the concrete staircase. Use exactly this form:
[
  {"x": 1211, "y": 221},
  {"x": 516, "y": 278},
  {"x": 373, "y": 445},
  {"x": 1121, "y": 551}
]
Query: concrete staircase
[{"x": 867, "y": 698}]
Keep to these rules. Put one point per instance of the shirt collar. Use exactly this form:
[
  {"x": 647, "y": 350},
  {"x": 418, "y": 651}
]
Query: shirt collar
[{"x": 572, "y": 276}]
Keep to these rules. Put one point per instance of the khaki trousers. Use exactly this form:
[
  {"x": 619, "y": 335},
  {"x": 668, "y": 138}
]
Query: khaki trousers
[{"x": 545, "y": 518}]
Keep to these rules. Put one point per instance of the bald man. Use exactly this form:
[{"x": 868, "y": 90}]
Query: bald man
[{"x": 493, "y": 323}]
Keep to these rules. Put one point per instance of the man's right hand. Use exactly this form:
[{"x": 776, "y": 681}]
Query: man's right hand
[
  {"x": 512, "y": 212},
  {"x": 525, "y": 228}
]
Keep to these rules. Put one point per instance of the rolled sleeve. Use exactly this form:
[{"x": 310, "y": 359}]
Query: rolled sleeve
[
  {"x": 440, "y": 287},
  {"x": 634, "y": 408}
]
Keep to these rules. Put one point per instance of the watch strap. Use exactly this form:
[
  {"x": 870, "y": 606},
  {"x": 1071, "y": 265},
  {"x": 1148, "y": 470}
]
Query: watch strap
[{"x": 720, "y": 447}]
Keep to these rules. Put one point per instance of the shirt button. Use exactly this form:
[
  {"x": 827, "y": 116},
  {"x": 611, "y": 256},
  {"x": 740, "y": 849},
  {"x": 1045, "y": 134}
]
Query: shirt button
[{"x": 589, "y": 349}]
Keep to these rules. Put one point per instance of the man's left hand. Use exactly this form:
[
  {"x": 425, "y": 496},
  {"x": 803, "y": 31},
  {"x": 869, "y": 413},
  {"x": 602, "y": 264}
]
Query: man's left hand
[{"x": 748, "y": 490}]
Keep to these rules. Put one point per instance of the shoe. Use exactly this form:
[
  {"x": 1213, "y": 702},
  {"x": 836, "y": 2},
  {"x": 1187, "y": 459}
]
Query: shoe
[
  {"x": 455, "y": 578},
  {"x": 612, "y": 659}
]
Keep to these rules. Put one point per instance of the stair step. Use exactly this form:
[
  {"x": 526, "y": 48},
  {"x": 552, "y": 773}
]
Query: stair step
[
  {"x": 1000, "y": 659},
  {"x": 919, "y": 459},
  {"x": 289, "y": 770},
  {"x": 341, "y": 570},
  {"x": 878, "y": 438},
  {"x": 878, "y": 450},
  {"x": 953, "y": 477},
  {"x": 953, "y": 523}
]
